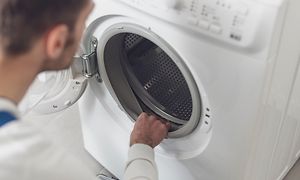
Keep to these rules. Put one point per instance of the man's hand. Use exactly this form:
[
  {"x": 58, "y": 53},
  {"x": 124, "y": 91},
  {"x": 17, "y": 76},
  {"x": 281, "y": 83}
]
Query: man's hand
[{"x": 149, "y": 130}]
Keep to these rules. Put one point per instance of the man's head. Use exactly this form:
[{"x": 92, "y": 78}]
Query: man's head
[{"x": 53, "y": 26}]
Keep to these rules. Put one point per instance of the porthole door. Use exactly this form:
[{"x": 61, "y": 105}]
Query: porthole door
[{"x": 134, "y": 61}]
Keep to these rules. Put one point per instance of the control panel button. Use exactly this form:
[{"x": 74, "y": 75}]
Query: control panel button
[
  {"x": 215, "y": 29},
  {"x": 203, "y": 24}
]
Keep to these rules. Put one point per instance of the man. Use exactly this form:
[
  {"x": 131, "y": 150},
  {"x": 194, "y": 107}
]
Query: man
[{"x": 40, "y": 35}]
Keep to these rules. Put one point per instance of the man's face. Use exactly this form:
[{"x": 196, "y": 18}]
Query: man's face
[{"x": 74, "y": 38}]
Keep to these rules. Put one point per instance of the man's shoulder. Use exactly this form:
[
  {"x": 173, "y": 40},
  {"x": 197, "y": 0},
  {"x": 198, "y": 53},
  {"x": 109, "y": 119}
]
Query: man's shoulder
[
  {"x": 27, "y": 150},
  {"x": 22, "y": 137},
  {"x": 23, "y": 146}
]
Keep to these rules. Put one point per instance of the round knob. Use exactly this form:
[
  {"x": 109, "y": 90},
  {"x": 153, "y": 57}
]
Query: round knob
[{"x": 172, "y": 4}]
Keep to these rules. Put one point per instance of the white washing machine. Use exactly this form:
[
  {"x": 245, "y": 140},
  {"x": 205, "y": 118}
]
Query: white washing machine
[{"x": 221, "y": 71}]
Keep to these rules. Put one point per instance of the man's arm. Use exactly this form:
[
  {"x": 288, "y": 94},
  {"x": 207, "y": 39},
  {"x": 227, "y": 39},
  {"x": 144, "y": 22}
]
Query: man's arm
[{"x": 148, "y": 132}]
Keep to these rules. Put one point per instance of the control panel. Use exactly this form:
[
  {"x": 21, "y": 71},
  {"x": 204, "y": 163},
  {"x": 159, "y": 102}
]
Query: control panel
[{"x": 233, "y": 21}]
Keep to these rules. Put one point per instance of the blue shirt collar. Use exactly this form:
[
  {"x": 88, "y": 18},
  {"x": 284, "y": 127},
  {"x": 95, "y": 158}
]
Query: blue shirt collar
[{"x": 6, "y": 117}]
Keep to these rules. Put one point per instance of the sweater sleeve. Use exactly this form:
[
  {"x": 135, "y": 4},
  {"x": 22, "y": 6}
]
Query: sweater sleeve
[{"x": 141, "y": 164}]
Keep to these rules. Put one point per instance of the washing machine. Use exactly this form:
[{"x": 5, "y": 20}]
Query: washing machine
[{"x": 220, "y": 71}]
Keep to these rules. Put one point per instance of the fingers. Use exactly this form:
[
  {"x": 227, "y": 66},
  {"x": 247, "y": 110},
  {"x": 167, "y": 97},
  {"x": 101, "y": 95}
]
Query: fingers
[
  {"x": 142, "y": 116},
  {"x": 168, "y": 125},
  {"x": 164, "y": 129},
  {"x": 153, "y": 118},
  {"x": 150, "y": 130},
  {"x": 150, "y": 118}
]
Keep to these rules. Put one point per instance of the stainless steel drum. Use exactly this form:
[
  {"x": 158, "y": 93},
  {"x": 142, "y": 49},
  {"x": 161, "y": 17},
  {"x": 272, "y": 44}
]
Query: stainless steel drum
[{"x": 156, "y": 79}]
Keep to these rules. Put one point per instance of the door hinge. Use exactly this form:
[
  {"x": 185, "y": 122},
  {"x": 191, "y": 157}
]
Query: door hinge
[{"x": 90, "y": 62}]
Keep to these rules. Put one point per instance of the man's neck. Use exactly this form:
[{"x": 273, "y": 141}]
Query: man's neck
[{"x": 17, "y": 74}]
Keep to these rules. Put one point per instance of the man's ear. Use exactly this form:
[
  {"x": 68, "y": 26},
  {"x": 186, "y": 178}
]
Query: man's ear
[{"x": 56, "y": 40}]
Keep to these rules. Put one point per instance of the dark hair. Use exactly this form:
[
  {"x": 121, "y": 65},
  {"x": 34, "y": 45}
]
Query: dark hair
[{"x": 23, "y": 21}]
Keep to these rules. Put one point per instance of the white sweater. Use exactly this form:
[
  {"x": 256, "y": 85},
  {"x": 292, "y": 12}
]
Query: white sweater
[{"x": 26, "y": 153}]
